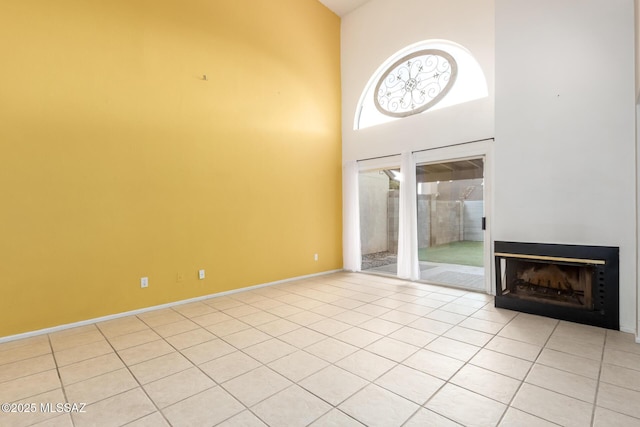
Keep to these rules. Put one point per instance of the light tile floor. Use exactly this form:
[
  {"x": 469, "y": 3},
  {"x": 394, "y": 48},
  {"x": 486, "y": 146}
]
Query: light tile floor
[
  {"x": 338, "y": 350},
  {"x": 455, "y": 275}
]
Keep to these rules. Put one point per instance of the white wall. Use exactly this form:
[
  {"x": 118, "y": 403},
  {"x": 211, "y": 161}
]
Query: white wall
[
  {"x": 565, "y": 128},
  {"x": 380, "y": 28}
]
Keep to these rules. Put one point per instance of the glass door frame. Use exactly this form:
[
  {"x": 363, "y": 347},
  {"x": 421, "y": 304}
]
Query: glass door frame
[
  {"x": 373, "y": 165},
  {"x": 472, "y": 150}
]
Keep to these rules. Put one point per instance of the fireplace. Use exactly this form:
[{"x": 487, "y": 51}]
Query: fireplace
[{"x": 568, "y": 282}]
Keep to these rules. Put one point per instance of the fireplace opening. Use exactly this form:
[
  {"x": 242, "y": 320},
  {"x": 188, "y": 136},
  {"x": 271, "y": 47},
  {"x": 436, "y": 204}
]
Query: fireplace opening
[
  {"x": 569, "y": 282},
  {"x": 551, "y": 283}
]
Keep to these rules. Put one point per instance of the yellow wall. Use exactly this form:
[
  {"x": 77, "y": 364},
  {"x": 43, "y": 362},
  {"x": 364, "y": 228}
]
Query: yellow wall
[{"x": 118, "y": 160}]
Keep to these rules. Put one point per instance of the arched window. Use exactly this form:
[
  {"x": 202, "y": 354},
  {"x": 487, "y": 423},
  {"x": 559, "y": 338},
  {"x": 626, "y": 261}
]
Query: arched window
[{"x": 423, "y": 76}]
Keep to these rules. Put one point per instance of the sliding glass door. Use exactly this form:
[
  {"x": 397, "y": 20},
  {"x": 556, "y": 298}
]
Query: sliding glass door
[
  {"x": 436, "y": 217},
  {"x": 450, "y": 222},
  {"x": 379, "y": 207}
]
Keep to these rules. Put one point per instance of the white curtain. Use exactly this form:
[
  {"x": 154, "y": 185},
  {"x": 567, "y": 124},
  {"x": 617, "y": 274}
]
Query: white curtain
[
  {"x": 351, "y": 251},
  {"x": 408, "y": 266}
]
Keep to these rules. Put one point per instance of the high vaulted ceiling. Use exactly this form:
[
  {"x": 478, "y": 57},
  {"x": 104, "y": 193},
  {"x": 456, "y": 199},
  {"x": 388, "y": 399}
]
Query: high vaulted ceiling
[{"x": 342, "y": 7}]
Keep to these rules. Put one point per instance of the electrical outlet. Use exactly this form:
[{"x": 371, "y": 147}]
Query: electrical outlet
[
  {"x": 144, "y": 282},
  {"x": 200, "y": 274},
  {"x": 179, "y": 277},
  {"x": 315, "y": 257}
]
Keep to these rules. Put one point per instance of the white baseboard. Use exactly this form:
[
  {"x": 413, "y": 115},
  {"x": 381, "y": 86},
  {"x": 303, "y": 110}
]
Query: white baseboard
[{"x": 155, "y": 307}]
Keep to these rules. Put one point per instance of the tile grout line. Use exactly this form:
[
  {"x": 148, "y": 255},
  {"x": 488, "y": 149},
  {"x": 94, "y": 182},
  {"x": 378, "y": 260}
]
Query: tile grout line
[
  {"x": 523, "y": 381},
  {"x": 265, "y": 365},
  {"x": 133, "y": 376},
  {"x": 351, "y": 326},
  {"x": 297, "y": 383},
  {"x": 462, "y": 367},
  {"x": 38, "y": 373},
  {"x": 423, "y": 406},
  {"x": 216, "y": 383},
  {"x": 313, "y": 287},
  {"x": 62, "y": 387},
  {"x": 595, "y": 397}
]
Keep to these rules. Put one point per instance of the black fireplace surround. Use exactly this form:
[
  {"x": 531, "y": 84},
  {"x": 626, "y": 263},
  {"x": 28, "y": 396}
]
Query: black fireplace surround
[{"x": 597, "y": 266}]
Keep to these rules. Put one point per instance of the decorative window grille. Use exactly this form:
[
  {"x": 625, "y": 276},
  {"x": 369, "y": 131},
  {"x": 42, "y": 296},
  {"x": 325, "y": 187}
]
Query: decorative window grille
[
  {"x": 421, "y": 77},
  {"x": 415, "y": 82}
]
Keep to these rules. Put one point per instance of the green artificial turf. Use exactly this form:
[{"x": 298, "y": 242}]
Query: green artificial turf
[{"x": 462, "y": 253}]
